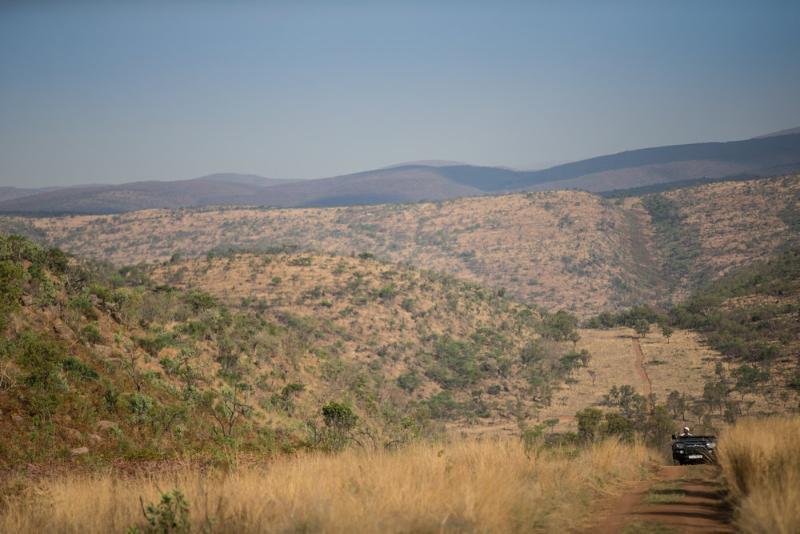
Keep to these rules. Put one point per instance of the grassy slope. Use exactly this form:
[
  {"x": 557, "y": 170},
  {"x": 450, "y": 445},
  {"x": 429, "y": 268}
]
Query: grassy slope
[
  {"x": 705, "y": 232},
  {"x": 168, "y": 369},
  {"x": 751, "y": 316}
]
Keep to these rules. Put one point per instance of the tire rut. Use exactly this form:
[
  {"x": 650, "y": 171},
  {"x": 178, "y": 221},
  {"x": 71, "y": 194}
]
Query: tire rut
[{"x": 677, "y": 499}]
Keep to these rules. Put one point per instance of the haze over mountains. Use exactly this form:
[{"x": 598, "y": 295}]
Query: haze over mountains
[{"x": 767, "y": 155}]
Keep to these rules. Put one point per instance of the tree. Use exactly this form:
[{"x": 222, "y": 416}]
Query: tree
[
  {"x": 589, "y": 420},
  {"x": 340, "y": 420},
  {"x": 593, "y": 375},
  {"x": 559, "y": 326},
  {"x": 748, "y": 378},
  {"x": 699, "y": 410},
  {"x": 230, "y": 407},
  {"x": 550, "y": 423},
  {"x": 659, "y": 425},
  {"x": 619, "y": 425},
  {"x": 666, "y": 331},
  {"x": 715, "y": 393},
  {"x": 676, "y": 402},
  {"x": 641, "y": 327},
  {"x": 574, "y": 337}
]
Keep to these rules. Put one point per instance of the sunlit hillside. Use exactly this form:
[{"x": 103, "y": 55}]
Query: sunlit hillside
[
  {"x": 111, "y": 364},
  {"x": 562, "y": 250}
]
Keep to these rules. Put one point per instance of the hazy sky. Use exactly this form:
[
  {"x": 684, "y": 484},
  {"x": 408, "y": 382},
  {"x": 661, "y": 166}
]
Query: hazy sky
[{"x": 120, "y": 91}]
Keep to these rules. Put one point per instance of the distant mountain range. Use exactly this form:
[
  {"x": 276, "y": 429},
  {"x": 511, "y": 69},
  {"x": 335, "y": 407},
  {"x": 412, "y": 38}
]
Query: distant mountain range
[{"x": 767, "y": 155}]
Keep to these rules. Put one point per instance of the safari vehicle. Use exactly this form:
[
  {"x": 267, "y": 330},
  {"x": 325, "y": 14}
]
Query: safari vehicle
[{"x": 694, "y": 449}]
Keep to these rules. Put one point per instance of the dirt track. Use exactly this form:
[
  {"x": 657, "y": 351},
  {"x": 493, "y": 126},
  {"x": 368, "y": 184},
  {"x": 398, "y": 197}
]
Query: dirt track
[
  {"x": 640, "y": 370},
  {"x": 677, "y": 499}
]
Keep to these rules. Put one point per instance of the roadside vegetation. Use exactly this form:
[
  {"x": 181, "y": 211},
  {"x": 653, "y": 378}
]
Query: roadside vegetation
[
  {"x": 487, "y": 486},
  {"x": 761, "y": 467}
]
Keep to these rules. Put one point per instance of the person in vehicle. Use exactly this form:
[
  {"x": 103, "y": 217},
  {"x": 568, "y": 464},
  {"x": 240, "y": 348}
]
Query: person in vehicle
[{"x": 685, "y": 433}]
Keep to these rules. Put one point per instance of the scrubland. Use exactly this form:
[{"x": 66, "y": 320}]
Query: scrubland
[
  {"x": 561, "y": 249},
  {"x": 760, "y": 461},
  {"x": 486, "y": 486}
]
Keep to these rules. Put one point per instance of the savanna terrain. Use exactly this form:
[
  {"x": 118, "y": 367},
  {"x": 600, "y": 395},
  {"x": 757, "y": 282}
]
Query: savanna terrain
[
  {"x": 199, "y": 359},
  {"x": 561, "y": 249}
]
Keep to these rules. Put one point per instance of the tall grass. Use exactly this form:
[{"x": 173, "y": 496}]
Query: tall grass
[
  {"x": 466, "y": 486},
  {"x": 760, "y": 461}
]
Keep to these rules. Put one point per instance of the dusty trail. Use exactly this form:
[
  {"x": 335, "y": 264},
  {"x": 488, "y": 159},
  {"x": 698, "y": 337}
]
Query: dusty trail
[
  {"x": 678, "y": 499},
  {"x": 640, "y": 370}
]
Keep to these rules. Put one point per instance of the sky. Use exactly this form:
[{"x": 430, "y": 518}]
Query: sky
[{"x": 109, "y": 92}]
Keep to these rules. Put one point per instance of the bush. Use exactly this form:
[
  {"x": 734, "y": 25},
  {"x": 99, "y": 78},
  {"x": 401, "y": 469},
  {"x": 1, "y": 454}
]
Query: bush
[
  {"x": 78, "y": 368},
  {"x": 169, "y": 516},
  {"x": 409, "y": 381},
  {"x": 559, "y": 326},
  {"x": 41, "y": 360},
  {"x": 91, "y": 334},
  {"x": 11, "y": 277},
  {"x": 589, "y": 420}
]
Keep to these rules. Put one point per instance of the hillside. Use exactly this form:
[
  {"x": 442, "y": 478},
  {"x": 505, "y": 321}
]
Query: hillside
[
  {"x": 564, "y": 250},
  {"x": 587, "y": 369},
  {"x": 751, "y": 316},
  {"x": 704, "y": 232},
  {"x": 746, "y": 324},
  {"x": 560, "y": 249},
  {"x": 108, "y": 363},
  {"x": 429, "y": 181}
]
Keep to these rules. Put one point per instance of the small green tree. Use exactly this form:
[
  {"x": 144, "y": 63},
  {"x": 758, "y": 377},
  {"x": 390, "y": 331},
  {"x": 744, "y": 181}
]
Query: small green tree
[
  {"x": 666, "y": 331},
  {"x": 676, "y": 403},
  {"x": 589, "y": 420},
  {"x": 340, "y": 421},
  {"x": 620, "y": 426},
  {"x": 642, "y": 328}
]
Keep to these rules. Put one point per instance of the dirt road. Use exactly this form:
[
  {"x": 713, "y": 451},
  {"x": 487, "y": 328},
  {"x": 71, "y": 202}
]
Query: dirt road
[
  {"x": 677, "y": 499},
  {"x": 640, "y": 370}
]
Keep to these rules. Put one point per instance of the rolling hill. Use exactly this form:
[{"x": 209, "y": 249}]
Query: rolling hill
[
  {"x": 244, "y": 350},
  {"x": 560, "y": 249},
  {"x": 770, "y": 155},
  {"x": 203, "y": 191}
]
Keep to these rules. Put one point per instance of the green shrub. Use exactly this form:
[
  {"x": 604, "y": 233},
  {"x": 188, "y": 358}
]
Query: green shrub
[
  {"x": 169, "y": 516},
  {"x": 78, "y": 368},
  {"x": 91, "y": 334},
  {"x": 41, "y": 360},
  {"x": 11, "y": 278},
  {"x": 409, "y": 381}
]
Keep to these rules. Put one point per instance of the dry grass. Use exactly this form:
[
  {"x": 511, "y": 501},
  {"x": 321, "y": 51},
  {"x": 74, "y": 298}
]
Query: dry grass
[
  {"x": 467, "y": 486},
  {"x": 681, "y": 363},
  {"x": 761, "y": 463}
]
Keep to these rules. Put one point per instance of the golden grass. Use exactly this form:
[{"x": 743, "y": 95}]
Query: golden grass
[
  {"x": 761, "y": 463},
  {"x": 466, "y": 486},
  {"x": 683, "y": 364}
]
